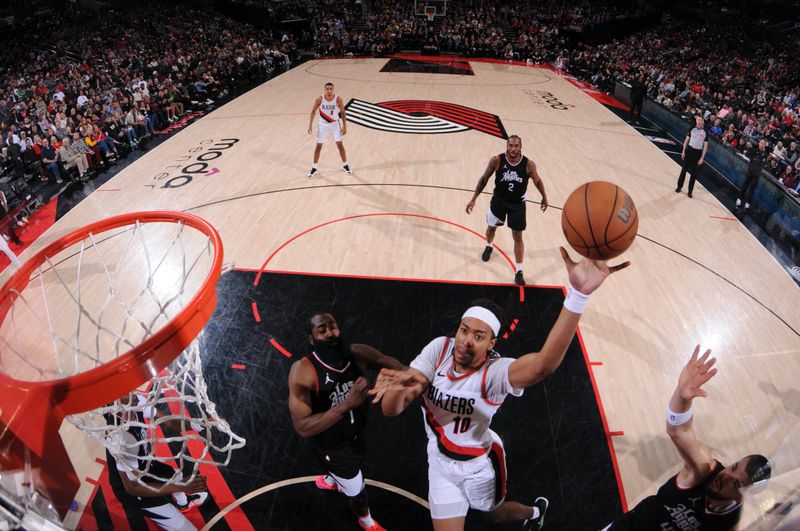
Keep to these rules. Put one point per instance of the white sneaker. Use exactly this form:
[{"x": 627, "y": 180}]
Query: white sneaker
[
  {"x": 312, "y": 172},
  {"x": 795, "y": 272},
  {"x": 193, "y": 500},
  {"x": 746, "y": 206},
  {"x": 738, "y": 202},
  {"x": 347, "y": 169}
]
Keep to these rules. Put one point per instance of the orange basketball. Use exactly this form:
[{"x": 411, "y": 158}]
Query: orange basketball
[{"x": 599, "y": 220}]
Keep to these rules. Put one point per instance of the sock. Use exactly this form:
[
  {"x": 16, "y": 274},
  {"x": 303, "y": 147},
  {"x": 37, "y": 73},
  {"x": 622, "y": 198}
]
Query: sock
[
  {"x": 314, "y": 166},
  {"x": 368, "y": 521},
  {"x": 330, "y": 481},
  {"x": 535, "y": 513},
  {"x": 490, "y": 245},
  {"x": 180, "y": 498},
  {"x": 344, "y": 163},
  {"x": 519, "y": 267}
]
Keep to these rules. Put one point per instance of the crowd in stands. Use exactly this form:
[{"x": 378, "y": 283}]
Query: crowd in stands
[
  {"x": 745, "y": 90},
  {"x": 85, "y": 89},
  {"x": 82, "y": 89}
]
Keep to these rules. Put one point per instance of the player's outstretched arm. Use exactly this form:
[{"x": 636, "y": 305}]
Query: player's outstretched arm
[
  {"x": 317, "y": 103},
  {"x": 537, "y": 181},
  {"x": 134, "y": 488},
  {"x": 342, "y": 114},
  {"x": 306, "y": 423},
  {"x": 490, "y": 169},
  {"x": 374, "y": 358},
  {"x": 696, "y": 455},
  {"x": 395, "y": 390},
  {"x": 584, "y": 278}
]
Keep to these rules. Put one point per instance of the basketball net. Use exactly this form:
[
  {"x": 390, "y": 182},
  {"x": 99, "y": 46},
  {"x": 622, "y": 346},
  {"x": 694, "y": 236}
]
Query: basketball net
[
  {"x": 430, "y": 13},
  {"x": 116, "y": 308}
]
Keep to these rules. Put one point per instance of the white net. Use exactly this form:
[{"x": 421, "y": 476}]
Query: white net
[{"x": 97, "y": 299}]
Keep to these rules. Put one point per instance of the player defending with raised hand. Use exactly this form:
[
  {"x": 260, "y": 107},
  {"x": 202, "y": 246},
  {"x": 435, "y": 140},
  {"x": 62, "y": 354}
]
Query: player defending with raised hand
[
  {"x": 330, "y": 108},
  {"x": 327, "y": 390},
  {"x": 463, "y": 382},
  {"x": 704, "y": 495},
  {"x": 511, "y": 173}
]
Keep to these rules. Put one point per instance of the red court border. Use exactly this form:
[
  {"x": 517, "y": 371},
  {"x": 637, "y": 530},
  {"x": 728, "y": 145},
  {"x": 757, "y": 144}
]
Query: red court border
[{"x": 589, "y": 364}]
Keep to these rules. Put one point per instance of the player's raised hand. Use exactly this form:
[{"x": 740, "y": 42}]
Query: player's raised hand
[
  {"x": 695, "y": 374},
  {"x": 198, "y": 484},
  {"x": 358, "y": 393},
  {"x": 587, "y": 275},
  {"x": 394, "y": 380}
]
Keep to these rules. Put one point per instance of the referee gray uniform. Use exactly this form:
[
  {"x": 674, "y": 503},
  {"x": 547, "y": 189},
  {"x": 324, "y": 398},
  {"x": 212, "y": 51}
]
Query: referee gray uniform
[{"x": 694, "y": 147}]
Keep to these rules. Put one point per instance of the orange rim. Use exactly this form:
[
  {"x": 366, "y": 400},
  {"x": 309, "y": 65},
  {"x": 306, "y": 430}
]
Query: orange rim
[{"x": 104, "y": 384}]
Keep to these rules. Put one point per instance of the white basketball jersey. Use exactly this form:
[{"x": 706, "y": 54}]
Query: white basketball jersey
[
  {"x": 458, "y": 408},
  {"x": 328, "y": 111}
]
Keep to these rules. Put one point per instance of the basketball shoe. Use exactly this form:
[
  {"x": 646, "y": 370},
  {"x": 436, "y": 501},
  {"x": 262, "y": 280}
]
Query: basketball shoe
[
  {"x": 487, "y": 253},
  {"x": 535, "y": 524},
  {"x": 324, "y": 485},
  {"x": 192, "y": 500},
  {"x": 312, "y": 172},
  {"x": 519, "y": 280},
  {"x": 347, "y": 169},
  {"x": 374, "y": 527}
]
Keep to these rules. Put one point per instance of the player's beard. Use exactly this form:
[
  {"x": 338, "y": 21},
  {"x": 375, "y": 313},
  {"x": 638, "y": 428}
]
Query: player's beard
[{"x": 332, "y": 351}]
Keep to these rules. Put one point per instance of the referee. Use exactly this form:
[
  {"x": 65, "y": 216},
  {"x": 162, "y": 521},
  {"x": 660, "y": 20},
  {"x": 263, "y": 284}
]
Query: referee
[{"x": 693, "y": 154}]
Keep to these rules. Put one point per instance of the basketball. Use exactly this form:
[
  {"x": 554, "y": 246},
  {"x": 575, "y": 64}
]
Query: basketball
[{"x": 599, "y": 220}]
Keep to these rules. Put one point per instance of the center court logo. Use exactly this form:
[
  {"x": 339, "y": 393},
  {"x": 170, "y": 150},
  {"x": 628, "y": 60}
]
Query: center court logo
[
  {"x": 542, "y": 97},
  {"x": 423, "y": 117},
  {"x": 197, "y": 161}
]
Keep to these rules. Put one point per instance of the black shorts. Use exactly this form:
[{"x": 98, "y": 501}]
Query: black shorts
[
  {"x": 514, "y": 211},
  {"x": 342, "y": 461}
]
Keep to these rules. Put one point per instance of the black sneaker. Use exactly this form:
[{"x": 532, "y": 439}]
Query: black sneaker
[
  {"x": 534, "y": 524},
  {"x": 347, "y": 169},
  {"x": 487, "y": 253},
  {"x": 519, "y": 280},
  {"x": 677, "y": 190},
  {"x": 192, "y": 500},
  {"x": 690, "y": 195},
  {"x": 312, "y": 172}
]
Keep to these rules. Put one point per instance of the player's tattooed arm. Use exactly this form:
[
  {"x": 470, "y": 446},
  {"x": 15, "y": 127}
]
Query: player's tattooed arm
[
  {"x": 395, "y": 390},
  {"x": 490, "y": 169},
  {"x": 537, "y": 181}
]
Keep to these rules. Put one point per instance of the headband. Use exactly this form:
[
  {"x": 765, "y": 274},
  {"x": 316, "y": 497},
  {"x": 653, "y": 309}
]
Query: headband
[{"x": 479, "y": 312}]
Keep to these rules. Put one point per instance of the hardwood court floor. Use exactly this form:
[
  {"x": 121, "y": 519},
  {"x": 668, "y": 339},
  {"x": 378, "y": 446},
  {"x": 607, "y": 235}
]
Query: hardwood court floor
[{"x": 697, "y": 276}]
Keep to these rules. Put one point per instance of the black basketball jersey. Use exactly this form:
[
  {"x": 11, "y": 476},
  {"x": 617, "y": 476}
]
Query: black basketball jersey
[
  {"x": 333, "y": 387},
  {"x": 511, "y": 180},
  {"x": 678, "y": 509},
  {"x": 114, "y": 479}
]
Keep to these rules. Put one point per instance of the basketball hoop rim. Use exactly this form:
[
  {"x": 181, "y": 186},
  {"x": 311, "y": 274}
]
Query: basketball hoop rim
[{"x": 104, "y": 384}]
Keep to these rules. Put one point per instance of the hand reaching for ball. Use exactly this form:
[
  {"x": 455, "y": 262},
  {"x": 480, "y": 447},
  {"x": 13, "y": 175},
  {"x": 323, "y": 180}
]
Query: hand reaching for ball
[{"x": 587, "y": 275}]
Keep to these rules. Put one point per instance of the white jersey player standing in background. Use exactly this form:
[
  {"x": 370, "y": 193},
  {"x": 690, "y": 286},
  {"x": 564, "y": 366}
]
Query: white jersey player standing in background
[
  {"x": 328, "y": 108},
  {"x": 463, "y": 382}
]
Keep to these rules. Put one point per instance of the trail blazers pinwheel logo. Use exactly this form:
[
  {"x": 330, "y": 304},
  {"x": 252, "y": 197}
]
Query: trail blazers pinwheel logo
[{"x": 422, "y": 117}]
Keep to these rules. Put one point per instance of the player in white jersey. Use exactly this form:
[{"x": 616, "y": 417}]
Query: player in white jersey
[
  {"x": 463, "y": 382},
  {"x": 328, "y": 108}
]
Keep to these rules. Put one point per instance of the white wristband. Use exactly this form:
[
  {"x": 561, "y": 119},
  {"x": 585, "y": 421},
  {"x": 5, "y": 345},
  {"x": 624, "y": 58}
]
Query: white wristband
[
  {"x": 678, "y": 419},
  {"x": 576, "y": 301}
]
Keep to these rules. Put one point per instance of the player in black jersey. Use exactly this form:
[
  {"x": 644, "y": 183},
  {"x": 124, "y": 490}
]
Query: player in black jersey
[
  {"x": 704, "y": 495},
  {"x": 511, "y": 173},
  {"x": 163, "y": 503},
  {"x": 327, "y": 390}
]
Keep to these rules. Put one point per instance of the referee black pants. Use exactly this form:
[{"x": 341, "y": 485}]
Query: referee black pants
[{"x": 690, "y": 165}]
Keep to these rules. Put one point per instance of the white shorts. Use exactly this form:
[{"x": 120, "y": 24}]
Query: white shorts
[
  {"x": 332, "y": 128},
  {"x": 455, "y": 486},
  {"x": 168, "y": 517}
]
